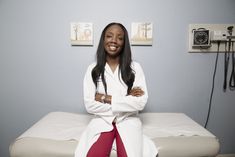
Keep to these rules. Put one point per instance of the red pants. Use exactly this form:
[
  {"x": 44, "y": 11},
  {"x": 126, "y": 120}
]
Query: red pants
[{"x": 102, "y": 147}]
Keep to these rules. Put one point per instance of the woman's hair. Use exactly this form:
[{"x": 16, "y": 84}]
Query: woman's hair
[{"x": 125, "y": 60}]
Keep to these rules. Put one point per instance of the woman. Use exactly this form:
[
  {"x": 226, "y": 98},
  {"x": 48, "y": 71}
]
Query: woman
[{"x": 114, "y": 92}]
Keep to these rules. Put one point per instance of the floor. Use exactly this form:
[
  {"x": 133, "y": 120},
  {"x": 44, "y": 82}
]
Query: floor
[{"x": 226, "y": 155}]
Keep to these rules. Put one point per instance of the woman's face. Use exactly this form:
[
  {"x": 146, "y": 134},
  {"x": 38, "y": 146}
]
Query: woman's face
[{"x": 114, "y": 40}]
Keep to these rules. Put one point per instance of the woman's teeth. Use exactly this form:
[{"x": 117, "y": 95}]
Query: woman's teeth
[{"x": 113, "y": 48}]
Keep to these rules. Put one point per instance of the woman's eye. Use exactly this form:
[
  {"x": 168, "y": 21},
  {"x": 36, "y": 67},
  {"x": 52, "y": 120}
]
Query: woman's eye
[
  {"x": 120, "y": 38},
  {"x": 108, "y": 36}
]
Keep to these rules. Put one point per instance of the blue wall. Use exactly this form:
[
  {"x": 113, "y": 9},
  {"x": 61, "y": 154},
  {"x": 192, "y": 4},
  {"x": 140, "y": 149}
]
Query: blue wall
[{"x": 40, "y": 72}]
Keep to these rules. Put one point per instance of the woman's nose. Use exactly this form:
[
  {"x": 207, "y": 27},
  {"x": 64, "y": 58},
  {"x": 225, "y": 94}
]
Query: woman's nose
[{"x": 114, "y": 39}]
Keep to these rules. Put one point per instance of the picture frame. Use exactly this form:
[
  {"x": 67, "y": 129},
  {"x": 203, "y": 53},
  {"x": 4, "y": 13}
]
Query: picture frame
[
  {"x": 81, "y": 33},
  {"x": 142, "y": 33}
]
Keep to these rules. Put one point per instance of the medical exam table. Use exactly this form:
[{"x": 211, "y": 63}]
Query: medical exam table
[{"x": 57, "y": 135}]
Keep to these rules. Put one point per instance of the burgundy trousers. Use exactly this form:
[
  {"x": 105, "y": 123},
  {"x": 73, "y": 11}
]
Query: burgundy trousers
[{"x": 102, "y": 147}]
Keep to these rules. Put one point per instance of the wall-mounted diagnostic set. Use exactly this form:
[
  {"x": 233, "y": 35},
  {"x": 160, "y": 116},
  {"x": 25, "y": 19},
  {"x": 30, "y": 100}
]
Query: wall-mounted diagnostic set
[{"x": 204, "y": 37}]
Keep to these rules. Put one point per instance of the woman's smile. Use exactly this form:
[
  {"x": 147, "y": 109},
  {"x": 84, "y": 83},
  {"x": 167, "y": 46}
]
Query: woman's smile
[{"x": 113, "y": 48}]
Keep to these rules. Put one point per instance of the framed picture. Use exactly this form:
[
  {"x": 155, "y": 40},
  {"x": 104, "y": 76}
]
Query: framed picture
[
  {"x": 81, "y": 33},
  {"x": 142, "y": 33}
]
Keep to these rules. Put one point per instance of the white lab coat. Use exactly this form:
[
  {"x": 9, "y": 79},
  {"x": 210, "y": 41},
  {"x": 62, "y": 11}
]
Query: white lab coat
[{"x": 123, "y": 108}]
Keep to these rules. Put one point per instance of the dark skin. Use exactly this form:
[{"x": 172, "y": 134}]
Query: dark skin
[{"x": 113, "y": 43}]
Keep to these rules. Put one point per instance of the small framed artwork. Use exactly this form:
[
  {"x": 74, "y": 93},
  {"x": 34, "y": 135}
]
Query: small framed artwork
[
  {"x": 142, "y": 33},
  {"x": 81, "y": 33}
]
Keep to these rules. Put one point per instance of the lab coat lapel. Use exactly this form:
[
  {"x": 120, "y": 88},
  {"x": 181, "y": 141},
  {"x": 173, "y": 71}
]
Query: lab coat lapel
[
  {"x": 109, "y": 70},
  {"x": 115, "y": 80}
]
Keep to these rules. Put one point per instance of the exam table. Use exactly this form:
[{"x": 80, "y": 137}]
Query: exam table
[{"x": 57, "y": 135}]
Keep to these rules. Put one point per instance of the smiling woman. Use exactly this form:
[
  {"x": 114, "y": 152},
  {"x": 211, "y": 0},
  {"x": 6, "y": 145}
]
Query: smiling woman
[{"x": 115, "y": 91}]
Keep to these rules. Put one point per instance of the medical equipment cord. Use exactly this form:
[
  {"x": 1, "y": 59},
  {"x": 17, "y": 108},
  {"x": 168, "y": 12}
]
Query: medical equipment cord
[
  {"x": 213, "y": 85},
  {"x": 226, "y": 63},
  {"x": 232, "y": 77},
  {"x": 226, "y": 66}
]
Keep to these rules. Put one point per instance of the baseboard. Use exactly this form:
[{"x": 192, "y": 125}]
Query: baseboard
[{"x": 226, "y": 155}]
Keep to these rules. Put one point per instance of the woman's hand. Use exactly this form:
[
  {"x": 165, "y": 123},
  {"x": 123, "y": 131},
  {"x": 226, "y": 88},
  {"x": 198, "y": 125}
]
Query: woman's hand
[
  {"x": 136, "y": 91},
  {"x": 98, "y": 96},
  {"x": 103, "y": 98}
]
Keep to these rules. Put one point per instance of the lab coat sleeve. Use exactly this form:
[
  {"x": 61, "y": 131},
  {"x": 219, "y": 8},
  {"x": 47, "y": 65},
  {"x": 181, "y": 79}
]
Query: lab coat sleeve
[
  {"x": 131, "y": 103},
  {"x": 89, "y": 90}
]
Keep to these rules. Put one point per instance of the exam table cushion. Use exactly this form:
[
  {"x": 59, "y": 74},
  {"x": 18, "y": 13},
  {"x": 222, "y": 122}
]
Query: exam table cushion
[{"x": 57, "y": 135}]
